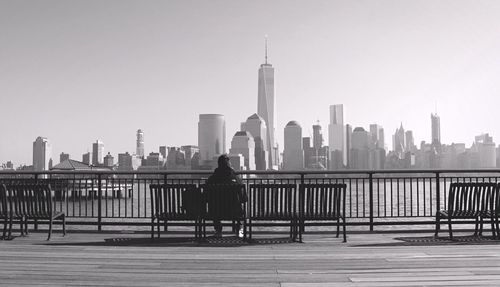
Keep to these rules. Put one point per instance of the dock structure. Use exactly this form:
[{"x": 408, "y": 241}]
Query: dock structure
[{"x": 368, "y": 259}]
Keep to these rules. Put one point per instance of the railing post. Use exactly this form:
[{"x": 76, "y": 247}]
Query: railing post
[
  {"x": 99, "y": 203},
  {"x": 35, "y": 225},
  {"x": 165, "y": 227},
  {"x": 438, "y": 193},
  {"x": 370, "y": 182}
]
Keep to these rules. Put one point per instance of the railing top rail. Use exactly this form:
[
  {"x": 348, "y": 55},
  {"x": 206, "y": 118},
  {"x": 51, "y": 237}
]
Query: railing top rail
[{"x": 256, "y": 172}]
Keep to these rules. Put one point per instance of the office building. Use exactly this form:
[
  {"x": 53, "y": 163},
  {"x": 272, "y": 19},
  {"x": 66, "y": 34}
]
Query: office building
[
  {"x": 359, "y": 149},
  {"x": 42, "y": 154},
  {"x": 109, "y": 160},
  {"x": 293, "y": 153},
  {"x": 63, "y": 156},
  {"x": 86, "y": 158},
  {"x": 266, "y": 108},
  {"x": 398, "y": 142},
  {"x": 163, "y": 151},
  {"x": 436, "y": 130},
  {"x": 256, "y": 126},
  {"x": 211, "y": 137},
  {"x": 140, "y": 144},
  {"x": 97, "y": 153},
  {"x": 336, "y": 138},
  {"x": 243, "y": 143},
  {"x": 486, "y": 150}
]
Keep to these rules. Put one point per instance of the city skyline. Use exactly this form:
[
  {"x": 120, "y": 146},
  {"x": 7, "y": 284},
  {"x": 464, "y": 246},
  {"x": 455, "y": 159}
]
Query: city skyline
[{"x": 74, "y": 73}]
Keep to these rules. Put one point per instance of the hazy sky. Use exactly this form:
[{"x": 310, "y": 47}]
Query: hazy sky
[{"x": 77, "y": 71}]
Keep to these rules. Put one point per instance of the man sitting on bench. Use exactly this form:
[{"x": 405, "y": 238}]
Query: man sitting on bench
[{"x": 224, "y": 174}]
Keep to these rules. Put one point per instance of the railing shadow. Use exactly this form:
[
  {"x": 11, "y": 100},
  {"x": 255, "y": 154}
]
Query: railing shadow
[
  {"x": 439, "y": 241},
  {"x": 228, "y": 241}
]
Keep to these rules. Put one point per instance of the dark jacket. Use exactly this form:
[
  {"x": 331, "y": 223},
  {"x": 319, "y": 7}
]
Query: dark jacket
[{"x": 227, "y": 176}]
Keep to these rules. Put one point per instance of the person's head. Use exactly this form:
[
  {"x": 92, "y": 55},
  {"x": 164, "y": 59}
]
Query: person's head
[{"x": 223, "y": 161}]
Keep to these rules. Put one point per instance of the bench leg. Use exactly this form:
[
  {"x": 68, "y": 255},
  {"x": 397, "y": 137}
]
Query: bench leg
[
  {"x": 9, "y": 236},
  {"x": 438, "y": 224},
  {"x": 338, "y": 227},
  {"x": 4, "y": 232},
  {"x": 301, "y": 229},
  {"x": 152, "y": 228},
  {"x": 50, "y": 229},
  {"x": 64, "y": 224},
  {"x": 450, "y": 230},
  {"x": 244, "y": 230},
  {"x": 497, "y": 226},
  {"x": 344, "y": 229},
  {"x": 249, "y": 230},
  {"x": 493, "y": 229},
  {"x": 478, "y": 230}
]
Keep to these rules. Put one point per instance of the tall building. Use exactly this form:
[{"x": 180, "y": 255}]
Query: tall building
[
  {"x": 140, "y": 144},
  {"x": 399, "y": 143},
  {"x": 257, "y": 128},
  {"x": 163, "y": 151},
  {"x": 243, "y": 143},
  {"x": 109, "y": 160},
  {"x": 336, "y": 139},
  {"x": 266, "y": 108},
  {"x": 86, "y": 158},
  {"x": 487, "y": 151},
  {"x": 293, "y": 153},
  {"x": 63, "y": 156},
  {"x": 42, "y": 154},
  {"x": 348, "y": 144},
  {"x": 211, "y": 136},
  {"x": 359, "y": 149},
  {"x": 436, "y": 130},
  {"x": 377, "y": 136},
  {"x": 189, "y": 152},
  {"x": 410, "y": 141},
  {"x": 317, "y": 137},
  {"x": 97, "y": 153}
]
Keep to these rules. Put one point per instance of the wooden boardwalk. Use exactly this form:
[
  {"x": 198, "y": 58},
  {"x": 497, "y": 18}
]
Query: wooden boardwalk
[{"x": 129, "y": 259}]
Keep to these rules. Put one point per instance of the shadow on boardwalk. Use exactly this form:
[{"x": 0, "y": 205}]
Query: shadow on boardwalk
[
  {"x": 230, "y": 241},
  {"x": 432, "y": 241}
]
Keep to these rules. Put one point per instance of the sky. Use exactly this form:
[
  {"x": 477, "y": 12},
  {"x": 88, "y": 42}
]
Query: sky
[{"x": 78, "y": 71}]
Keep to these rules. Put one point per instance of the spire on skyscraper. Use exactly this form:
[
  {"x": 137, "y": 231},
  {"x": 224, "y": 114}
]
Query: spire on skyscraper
[{"x": 266, "y": 49}]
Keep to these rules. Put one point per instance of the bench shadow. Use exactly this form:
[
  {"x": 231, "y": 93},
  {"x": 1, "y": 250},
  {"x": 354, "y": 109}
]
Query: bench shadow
[
  {"x": 439, "y": 241},
  {"x": 229, "y": 241}
]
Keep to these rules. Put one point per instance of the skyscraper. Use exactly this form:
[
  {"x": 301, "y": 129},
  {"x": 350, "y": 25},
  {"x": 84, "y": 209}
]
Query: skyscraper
[
  {"x": 243, "y": 143},
  {"x": 399, "y": 142},
  {"x": 257, "y": 128},
  {"x": 336, "y": 139},
  {"x": 436, "y": 130},
  {"x": 42, "y": 154},
  {"x": 317, "y": 137},
  {"x": 359, "y": 150},
  {"x": 140, "y": 144},
  {"x": 97, "y": 153},
  {"x": 63, "y": 156},
  {"x": 293, "y": 153},
  {"x": 211, "y": 136},
  {"x": 266, "y": 107}
]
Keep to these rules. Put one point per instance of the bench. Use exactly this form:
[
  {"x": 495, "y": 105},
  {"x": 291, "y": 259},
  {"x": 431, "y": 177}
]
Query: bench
[
  {"x": 224, "y": 202},
  {"x": 32, "y": 201},
  {"x": 471, "y": 200},
  {"x": 175, "y": 202},
  {"x": 273, "y": 202},
  {"x": 322, "y": 202}
]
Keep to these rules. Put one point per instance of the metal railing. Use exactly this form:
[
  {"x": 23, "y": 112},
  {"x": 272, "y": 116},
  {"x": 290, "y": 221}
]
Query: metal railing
[{"x": 383, "y": 197}]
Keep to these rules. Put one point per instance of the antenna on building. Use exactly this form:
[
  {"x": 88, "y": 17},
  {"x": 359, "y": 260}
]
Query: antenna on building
[{"x": 266, "y": 47}]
